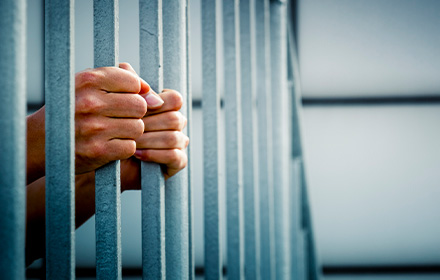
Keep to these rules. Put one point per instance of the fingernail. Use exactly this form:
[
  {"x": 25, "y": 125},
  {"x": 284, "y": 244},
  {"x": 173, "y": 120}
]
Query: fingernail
[
  {"x": 154, "y": 100},
  {"x": 138, "y": 153}
]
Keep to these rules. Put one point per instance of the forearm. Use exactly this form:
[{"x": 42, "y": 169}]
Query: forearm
[
  {"x": 35, "y": 158},
  {"x": 35, "y": 216}
]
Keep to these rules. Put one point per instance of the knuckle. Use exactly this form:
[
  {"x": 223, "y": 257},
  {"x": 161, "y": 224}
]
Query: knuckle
[
  {"x": 172, "y": 139},
  {"x": 139, "y": 127},
  {"x": 128, "y": 149},
  {"x": 174, "y": 156},
  {"x": 140, "y": 106},
  {"x": 175, "y": 98},
  {"x": 88, "y": 103},
  {"x": 176, "y": 120},
  {"x": 88, "y": 78}
]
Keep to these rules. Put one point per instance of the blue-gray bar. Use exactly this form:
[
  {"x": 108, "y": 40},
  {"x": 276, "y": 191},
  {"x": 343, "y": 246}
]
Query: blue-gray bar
[
  {"x": 249, "y": 139},
  {"x": 153, "y": 183},
  {"x": 234, "y": 180},
  {"x": 12, "y": 138},
  {"x": 267, "y": 254},
  {"x": 60, "y": 143},
  {"x": 211, "y": 105},
  {"x": 107, "y": 178},
  {"x": 280, "y": 137},
  {"x": 176, "y": 187},
  {"x": 191, "y": 263}
]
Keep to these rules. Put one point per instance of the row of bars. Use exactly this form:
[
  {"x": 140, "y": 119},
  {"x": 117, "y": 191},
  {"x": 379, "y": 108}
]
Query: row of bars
[{"x": 269, "y": 230}]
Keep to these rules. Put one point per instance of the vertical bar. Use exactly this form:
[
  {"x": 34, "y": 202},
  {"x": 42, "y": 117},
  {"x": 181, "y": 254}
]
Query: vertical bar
[
  {"x": 280, "y": 127},
  {"x": 191, "y": 264},
  {"x": 313, "y": 270},
  {"x": 267, "y": 263},
  {"x": 176, "y": 187},
  {"x": 107, "y": 178},
  {"x": 234, "y": 180},
  {"x": 12, "y": 138},
  {"x": 249, "y": 139},
  {"x": 311, "y": 264},
  {"x": 211, "y": 105},
  {"x": 297, "y": 260},
  {"x": 153, "y": 183},
  {"x": 60, "y": 160}
]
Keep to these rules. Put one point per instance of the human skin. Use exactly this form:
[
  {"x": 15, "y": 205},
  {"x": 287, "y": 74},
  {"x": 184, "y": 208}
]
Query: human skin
[{"x": 106, "y": 129}]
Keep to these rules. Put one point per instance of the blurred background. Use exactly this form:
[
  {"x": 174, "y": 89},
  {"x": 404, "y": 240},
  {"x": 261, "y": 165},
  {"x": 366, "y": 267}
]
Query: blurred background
[{"x": 370, "y": 80}]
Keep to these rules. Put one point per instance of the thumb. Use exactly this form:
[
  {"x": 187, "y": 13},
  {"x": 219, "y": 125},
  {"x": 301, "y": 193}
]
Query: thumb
[{"x": 154, "y": 101}]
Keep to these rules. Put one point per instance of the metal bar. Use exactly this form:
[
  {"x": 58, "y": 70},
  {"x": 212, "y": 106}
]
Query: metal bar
[
  {"x": 107, "y": 178},
  {"x": 176, "y": 190},
  {"x": 280, "y": 135},
  {"x": 12, "y": 138},
  {"x": 234, "y": 180},
  {"x": 267, "y": 254},
  {"x": 297, "y": 250},
  {"x": 153, "y": 183},
  {"x": 211, "y": 107},
  {"x": 60, "y": 143},
  {"x": 191, "y": 263},
  {"x": 313, "y": 270},
  {"x": 249, "y": 138}
]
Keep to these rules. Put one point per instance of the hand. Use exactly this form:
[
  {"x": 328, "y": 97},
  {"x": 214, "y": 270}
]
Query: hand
[
  {"x": 109, "y": 105},
  {"x": 162, "y": 142}
]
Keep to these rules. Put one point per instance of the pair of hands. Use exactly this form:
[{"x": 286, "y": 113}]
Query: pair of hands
[{"x": 118, "y": 116}]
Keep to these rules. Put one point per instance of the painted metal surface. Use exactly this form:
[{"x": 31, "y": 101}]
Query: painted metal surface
[
  {"x": 267, "y": 254},
  {"x": 107, "y": 178},
  {"x": 297, "y": 260},
  {"x": 311, "y": 262},
  {"x": 211, "y": 106},
  {"x": 153, "y": 183},
  {"x": 234, "y": 179},
  {"x": 280, "y": 136},
  {"x": 191, "y": 253},
  {"x": 176, "y": 187},
  {"x": 12, "y": 138},
  {"x": 249, "y": 139},
  {"x": 60, "y": 143}
]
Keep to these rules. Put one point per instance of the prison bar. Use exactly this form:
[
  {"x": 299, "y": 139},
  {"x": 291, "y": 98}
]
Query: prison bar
[
  {"x": 153, "y": 182},
  {"x": 60, "y": 143},
  {"x": 107, "y": 178},
  {"x": 233, "y": 151},
  {"x": 176, "y": 187},
  {"x": 279, "y": 87},
  {"x": 307, "y": 261},
  {"x": 191, "y": 261},
  {"x": 267, "y": 254},
  {"x": 249, "y": 139},
  {"x": 12, "y": 138},
  {"x": 211, "y": 108}
]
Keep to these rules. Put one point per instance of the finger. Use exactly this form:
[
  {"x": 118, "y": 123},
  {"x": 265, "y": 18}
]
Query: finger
[
  {"x": 154, "y": 101},
  {"x": 121, "y": 105},
  {"x": 111, "y": 128},
  {"x": 117, "y": 149},
  {"x": 113, "y": 79},
  {"x": 162, "y": 140},
  {"x": 172, "y": 102},
  {"x": 174, "y": 159},
  {"x": 145, "y": 87},
  {"x": 173, "y": 120}
]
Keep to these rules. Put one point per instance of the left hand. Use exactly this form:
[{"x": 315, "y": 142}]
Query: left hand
[{"x": 162, "y": 142}]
